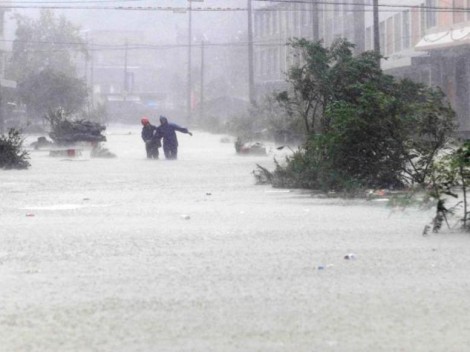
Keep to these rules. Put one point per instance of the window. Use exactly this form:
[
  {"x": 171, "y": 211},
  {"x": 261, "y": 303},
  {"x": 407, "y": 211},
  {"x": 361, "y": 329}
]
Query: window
[
  {"x": 368, "y": 38},
  {"x": 266, "y": 23},
  {"x": 467, "y": 12},
  {"x": 382, "y": 37},
  {"x": 296, "y": 17},
  {"x": 269, "y": 23},
  {"x": 337, "y": 8},
  {"x": 264, "y": 66},
  {"x": 431, "y": 14},
  {"x": 348, "y": 7},
  {"x": 292, "y": 22},
  {"x": 389, "y": 36},
  {"x": 406, "y": 30},
  {"x": 304, "y": 13},
  {"x": 259, "y": 25},
  {"x": 459, "y": 15},
  {"x": 397, "y": 32},
  {"x": 425, "y": 77},
  {"x": 2, "y": 22},
  {"x": 275, "y": 22},
  {"x": 422, "y": 21},
  {"x": 285, "y": 19}
]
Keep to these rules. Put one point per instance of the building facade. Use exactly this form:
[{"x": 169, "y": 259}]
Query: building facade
[
  {"x": 427, "y": 41},
  {"x": 275, "y": 24},
  {"x": 6, "y": 86}
]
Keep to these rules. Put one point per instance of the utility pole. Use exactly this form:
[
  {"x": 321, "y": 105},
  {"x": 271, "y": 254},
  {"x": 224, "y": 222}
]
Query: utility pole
[
  {"x": 251, "y": 75},
  {"x": 86, "y": 68},
  {"x": 201, "y": 99},
  {"x": 376, "y": 27},
  {"x": 190, "y": 35},
  {"x": 315, "y": 26},
  {"x": 2, "y": 123},
  {"x": 92, "y": 79},
  {"x": 126, "y": 88}
]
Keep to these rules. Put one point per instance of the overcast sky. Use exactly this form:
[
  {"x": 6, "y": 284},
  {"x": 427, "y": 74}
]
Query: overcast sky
[{"x": 161, "y": 26}]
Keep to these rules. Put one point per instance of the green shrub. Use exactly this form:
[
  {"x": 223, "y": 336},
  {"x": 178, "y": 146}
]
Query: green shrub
[
  {"x": 365, "y": 129},
  {"x": 11, "y": 154}
]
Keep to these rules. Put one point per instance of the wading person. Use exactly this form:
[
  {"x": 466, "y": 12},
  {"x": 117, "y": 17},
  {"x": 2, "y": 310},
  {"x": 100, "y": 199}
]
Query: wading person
[
  {"x": 167, "y": 131},
  {"x": 151, "y": 138}
]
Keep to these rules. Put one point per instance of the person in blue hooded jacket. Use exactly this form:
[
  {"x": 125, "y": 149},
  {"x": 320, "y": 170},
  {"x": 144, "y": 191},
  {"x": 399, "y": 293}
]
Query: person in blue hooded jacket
[{"x": 167, "y": 131}]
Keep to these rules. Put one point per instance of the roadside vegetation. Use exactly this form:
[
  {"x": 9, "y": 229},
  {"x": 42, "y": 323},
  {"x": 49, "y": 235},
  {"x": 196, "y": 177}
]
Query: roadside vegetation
[
  {"x": 365, "y": 130},
  {"x": 44, "y": 60},
  {"x": 12, "y": 155}
]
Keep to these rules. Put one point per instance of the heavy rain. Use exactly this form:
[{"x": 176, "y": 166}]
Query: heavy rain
[{"x": 246, "y": 175}]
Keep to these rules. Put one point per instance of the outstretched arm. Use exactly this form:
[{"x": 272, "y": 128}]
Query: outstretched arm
[{"x": 181, "y": 129}]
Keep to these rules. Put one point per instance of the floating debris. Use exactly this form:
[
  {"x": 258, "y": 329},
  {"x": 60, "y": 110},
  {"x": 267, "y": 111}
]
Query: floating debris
[{"x": 250, "y": 148}]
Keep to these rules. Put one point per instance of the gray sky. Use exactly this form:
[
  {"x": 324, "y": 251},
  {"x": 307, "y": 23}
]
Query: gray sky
[{"x": 161, "y": 26}]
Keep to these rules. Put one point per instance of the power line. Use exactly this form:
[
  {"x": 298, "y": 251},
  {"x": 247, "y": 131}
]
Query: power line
[
  {"x": 72, "y": 1},
  {"x": 124, "y": 8},
  {"x": 460, "y": 8},
  {"x": 107, "y": 47},
  {"x": 391, "y": 8}
]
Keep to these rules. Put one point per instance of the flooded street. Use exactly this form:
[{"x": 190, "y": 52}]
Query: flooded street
[{"x": 128, "y": 254}]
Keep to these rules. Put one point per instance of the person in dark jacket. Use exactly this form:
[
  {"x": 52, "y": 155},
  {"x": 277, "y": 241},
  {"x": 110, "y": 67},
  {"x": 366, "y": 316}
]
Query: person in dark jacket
[
  {"x": 167, "y": 131},
  {"x": 151, "y": 138}
]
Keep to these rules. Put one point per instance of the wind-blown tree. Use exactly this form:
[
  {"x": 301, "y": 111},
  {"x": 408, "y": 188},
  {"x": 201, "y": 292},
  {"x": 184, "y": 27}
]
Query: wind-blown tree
[
  {"x": 325, "y": 75},
  {"x": 365, "y": 128},
  {"x": 45, "y": 48},
  {"x": 50, "y": 89}
]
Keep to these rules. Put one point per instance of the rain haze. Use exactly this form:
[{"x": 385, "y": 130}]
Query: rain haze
[{"x": 150, "y": 212}]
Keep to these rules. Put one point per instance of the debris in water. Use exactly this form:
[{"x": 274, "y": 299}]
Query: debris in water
[
  {"x": 350, "y": 256},
  {"x": 42, "y": 142},
  {"x": 32, "y": 271},
  {"x": 69, "y": 152},
  {"x": 324, "y": 266},
  {"x": 98, "y": 151},
  {"x": 251, "y": 148}
]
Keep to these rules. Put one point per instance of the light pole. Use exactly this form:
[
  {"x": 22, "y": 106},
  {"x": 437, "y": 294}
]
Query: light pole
[
  {"x": 315, "y": 28},
  {"x": 92, "y": 78},
  {"x": 376, "y": 27},
  {"x": 201, "y": 100},
  {"x": 126, "y": 84},
  {"x": 188, "y": 97},
  {"x": 251, "y": 74}
]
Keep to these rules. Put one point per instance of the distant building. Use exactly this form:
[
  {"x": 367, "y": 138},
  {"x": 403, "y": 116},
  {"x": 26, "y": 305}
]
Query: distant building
[
  {"x": 275, "y": 24},
  {"x": 419, "y": 40},
  {"x": 127, "y": 73},
  {"x": 6, "y": 86},
  {"x": 431, "y": 46}
]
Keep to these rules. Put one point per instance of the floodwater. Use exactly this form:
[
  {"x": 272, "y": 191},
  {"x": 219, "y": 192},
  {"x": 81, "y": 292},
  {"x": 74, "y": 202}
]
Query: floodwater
[{"x": 128, "y": 254}]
